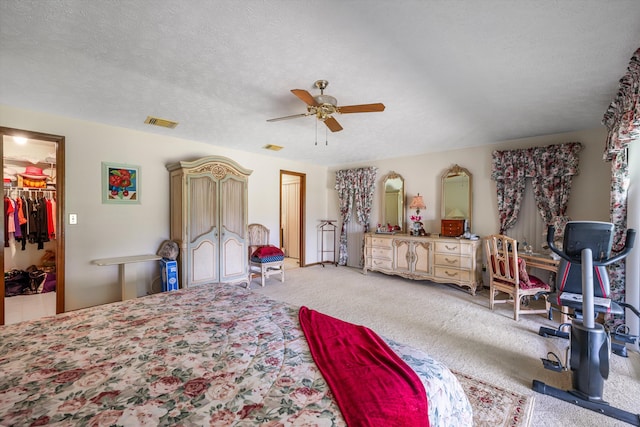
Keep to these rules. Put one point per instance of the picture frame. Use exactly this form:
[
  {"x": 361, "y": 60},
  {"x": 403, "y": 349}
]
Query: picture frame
[{"x": 120, "y": 183}]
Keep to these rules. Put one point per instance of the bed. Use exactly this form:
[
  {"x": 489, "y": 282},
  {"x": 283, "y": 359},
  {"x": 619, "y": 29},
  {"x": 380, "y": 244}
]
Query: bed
[{"x": 209, "y": 355}]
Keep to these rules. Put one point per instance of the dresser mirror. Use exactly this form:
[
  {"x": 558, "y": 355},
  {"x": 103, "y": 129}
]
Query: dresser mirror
[
  {"x": 457, "y": 194},
  {"x": 393, "y": 200}
]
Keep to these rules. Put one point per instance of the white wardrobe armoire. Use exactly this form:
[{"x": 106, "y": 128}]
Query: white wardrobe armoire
[{"x": 209, "y": 220}]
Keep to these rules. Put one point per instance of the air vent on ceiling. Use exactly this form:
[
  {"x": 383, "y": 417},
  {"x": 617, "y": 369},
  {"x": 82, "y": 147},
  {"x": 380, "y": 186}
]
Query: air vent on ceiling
[
  {"x": 272, "y": 147},
  {"x": 160, "y": 122}
]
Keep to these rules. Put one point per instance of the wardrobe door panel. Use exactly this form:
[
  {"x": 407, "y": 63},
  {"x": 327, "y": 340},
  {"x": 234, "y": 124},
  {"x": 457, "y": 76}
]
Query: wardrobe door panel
[
  {"x": 202, "y": 202},
  {"x": 232, "y": 211},
  {"x": 233, "y": 263},
  {"x": 203, "y": 230},
  {"x": 203, "y": 263},
  {"x": 234, "y": 257}
]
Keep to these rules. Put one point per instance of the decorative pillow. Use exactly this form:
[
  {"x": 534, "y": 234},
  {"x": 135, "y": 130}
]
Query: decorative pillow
[
  {"x": 522, "y": 272},
  {"x": 528, "y": 281},
  {"x": 268, "y": 253}
]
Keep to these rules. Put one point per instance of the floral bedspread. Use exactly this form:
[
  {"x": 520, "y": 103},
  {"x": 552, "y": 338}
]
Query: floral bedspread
[{"x": 210, "y": 355}]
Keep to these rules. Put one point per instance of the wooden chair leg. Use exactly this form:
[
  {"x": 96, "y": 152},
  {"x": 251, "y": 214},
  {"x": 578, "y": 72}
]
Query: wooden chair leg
[
  {"x": 516, "y": 306},
  {"x": 492, "y": 296}
]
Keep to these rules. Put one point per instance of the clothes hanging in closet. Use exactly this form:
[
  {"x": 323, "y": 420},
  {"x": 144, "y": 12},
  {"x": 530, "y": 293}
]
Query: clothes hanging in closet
[{"x": 29, "y": 220}]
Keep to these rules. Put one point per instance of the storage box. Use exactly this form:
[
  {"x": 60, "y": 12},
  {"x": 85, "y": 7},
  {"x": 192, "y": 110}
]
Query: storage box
[
  {"x": 169, "y": 275},
  {"x": 452, "y": 227}
]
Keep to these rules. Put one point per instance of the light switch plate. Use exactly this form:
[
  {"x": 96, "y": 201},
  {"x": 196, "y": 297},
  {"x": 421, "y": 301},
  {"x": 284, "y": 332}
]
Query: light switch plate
[{"x": 73, "y": 219}]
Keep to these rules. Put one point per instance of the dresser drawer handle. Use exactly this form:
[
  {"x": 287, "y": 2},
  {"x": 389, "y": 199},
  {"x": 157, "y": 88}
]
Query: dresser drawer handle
[
  {"x": 450, "y": 248},
  {"x": 451, "y": 274},
  {"x": 451, "y": 261}
]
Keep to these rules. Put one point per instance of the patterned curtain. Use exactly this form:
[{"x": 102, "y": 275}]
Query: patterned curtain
[
  {"x": 509, "y": 174},
  {"x": 366, "y": 185},
  {"x": 555, "y": 167},
  {"x": 355, "y": 190},
  {"x": 622, "y": 120},
  {"x": 344, "y": 199},
  {"x": 551, "y": 169}
]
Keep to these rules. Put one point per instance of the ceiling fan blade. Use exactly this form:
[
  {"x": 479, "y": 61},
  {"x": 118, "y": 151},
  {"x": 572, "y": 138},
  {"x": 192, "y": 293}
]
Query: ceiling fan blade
[
  {"x": 362, "y": 108},
  {"x": 294, "y": 116},
  {"x": 332, "y": 124},
  {"x": 305, "y": 96}
]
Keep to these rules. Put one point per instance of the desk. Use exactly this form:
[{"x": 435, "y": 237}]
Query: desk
[
  {"x": 545, "y": 262},
  {"x": 127, "y": 271},
  {"x": 541, "y": 261}
]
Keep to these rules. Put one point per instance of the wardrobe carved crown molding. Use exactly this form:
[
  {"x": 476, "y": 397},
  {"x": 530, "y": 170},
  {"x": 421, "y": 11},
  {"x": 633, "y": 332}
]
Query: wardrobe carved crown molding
[{"x": 218, "y": 170}]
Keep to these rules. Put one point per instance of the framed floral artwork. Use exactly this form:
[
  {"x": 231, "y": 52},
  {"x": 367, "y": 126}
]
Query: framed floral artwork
[{"x": 120, "y": 183}]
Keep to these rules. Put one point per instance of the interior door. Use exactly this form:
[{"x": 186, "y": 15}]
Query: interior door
[
  {"x": 290, "y": 238},
  {"x": 57, "y": 145},
  {"x": 292, "y": 214}
]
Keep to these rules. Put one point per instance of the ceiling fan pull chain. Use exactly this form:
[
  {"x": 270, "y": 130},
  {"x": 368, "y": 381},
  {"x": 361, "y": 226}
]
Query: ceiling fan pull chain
[
  {"x": 326, "y": 139},
  {"x": 316, "y": 132}
]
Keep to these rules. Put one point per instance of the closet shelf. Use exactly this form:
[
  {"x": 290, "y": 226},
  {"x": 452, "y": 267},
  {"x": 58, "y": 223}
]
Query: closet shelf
[
  {"x": 30, "y": 188},
  {"x": 22, "y": 161}
]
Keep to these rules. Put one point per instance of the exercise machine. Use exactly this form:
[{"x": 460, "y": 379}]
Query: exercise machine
[
  {"x": 569, "y": 282},
  {"x": 588, "y": 245}
]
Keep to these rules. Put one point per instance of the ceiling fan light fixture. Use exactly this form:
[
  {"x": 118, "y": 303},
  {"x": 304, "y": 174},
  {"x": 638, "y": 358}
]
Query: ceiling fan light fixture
[{"x": 325, "y": 99}]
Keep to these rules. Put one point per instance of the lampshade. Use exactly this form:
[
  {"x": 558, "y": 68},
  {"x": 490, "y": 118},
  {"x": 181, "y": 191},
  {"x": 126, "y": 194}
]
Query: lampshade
[{"x": 417, "y": 202}]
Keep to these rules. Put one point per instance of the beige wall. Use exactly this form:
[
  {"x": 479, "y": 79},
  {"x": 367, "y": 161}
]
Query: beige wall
[
  {"x": 589, "y": 197},
  {"x": 115, "y": 230}
]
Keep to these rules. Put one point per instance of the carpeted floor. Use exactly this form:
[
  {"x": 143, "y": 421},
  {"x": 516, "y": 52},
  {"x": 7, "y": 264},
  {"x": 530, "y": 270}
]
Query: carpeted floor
[{"x": 459, "y": 330}]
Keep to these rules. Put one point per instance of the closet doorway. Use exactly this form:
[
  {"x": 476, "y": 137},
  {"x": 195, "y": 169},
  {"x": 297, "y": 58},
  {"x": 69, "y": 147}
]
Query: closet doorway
[
  {"x": 33, "y": 235},
  {"x": 292, "y": 205}
]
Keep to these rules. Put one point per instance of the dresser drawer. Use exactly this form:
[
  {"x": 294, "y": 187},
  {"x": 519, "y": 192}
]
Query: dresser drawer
[
  {"x": 381, "y": 253},
  {"x": 453, "y": 261},
  {"x": 451, "y": 273},
  {"x": 454, "y": 247},
  {"x": 382, "y": 242},
  {"x": 384, "y": 264}
]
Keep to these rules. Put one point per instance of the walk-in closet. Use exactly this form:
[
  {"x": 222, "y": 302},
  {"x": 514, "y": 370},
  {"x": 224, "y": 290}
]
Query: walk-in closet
[{"x": 31, "y": 228}]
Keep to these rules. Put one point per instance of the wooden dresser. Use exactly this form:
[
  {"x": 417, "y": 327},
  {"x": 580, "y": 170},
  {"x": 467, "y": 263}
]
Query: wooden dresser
[{"x": 439, "y": 259}]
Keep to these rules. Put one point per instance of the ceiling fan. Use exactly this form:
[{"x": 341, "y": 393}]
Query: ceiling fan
[{"x": 323, "y": 106}]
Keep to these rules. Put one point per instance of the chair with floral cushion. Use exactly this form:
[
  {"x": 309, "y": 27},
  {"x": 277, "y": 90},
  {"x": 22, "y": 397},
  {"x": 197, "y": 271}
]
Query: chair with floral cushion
[
  {"x": 508, "y": 275},
  {"x": 265, "y": 260}
]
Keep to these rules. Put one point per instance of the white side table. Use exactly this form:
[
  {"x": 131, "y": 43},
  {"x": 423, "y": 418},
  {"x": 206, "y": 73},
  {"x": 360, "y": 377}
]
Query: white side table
[{"x": 127, "y": 271}]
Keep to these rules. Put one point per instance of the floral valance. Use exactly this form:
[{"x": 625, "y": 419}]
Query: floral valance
[
  {"x": 622, "y": 118},
  {"x": 552, "y": 160}
]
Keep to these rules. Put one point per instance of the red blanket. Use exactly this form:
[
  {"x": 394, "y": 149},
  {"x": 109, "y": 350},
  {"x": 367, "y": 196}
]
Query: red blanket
[{"x": 372, "y": 385}]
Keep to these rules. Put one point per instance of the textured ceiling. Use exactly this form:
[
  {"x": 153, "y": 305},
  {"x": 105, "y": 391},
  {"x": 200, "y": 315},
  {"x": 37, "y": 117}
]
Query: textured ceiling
[{"x": 452, "y": 74}]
